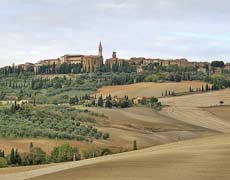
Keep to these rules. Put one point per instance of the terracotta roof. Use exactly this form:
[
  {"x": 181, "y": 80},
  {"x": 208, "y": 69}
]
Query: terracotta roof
[
  {"x": 73, "y": 55},
  {"x": 91, "y": 56}
]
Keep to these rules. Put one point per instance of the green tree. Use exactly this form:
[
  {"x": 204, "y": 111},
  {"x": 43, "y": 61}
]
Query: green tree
[
  {"x": 108, "y": 102},
  {"x": 202, "y": 88},
  {"x": 73, "y": 100},
  {"x": 17, "y": 157},
  {"x": 126, "y": 103},
  {"x": 217, "y": 64},
  {"x": 221, "y": 103},
  {"x": 166, "y": 93},
  {"x": 37, "y": 156},
  {"x": 12, "y": 156},
  {"x": 2, "y": 153},
  {"x": 153, "y": 100},
  {"x": 31, "y": 146},
  {"x": 62, "y": 153},
  {"x": 207, "y": 88},
  {"x": 105, "y": 136},
  {"x": 100, "y": 101},
  {"x": 3, "y": 162}
]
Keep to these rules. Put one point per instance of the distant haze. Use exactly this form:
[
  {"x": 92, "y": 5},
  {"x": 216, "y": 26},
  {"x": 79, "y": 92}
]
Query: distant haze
[{"x": 194, "y": 29}]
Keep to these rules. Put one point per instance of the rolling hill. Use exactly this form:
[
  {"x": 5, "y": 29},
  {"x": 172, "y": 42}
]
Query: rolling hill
[
  {"x": 198, "y": 159},
  {"x": 148, "y": 89}
]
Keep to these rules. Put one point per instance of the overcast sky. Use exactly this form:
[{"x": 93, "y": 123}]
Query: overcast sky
[{"x": 37, "y": 29}]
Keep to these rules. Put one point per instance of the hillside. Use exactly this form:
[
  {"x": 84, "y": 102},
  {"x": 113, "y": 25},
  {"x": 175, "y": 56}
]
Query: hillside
[
  {"x": 149, "y": 89},
  {"x": 142, "y": 124},
  {"x": 201, "y": 159},
  {"x": 191, "y": 109},
  {"x": 184, "y": 117}
]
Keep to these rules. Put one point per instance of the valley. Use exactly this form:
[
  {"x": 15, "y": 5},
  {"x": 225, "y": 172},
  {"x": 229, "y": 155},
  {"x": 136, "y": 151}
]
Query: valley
[{"x": 171, "y": 139}]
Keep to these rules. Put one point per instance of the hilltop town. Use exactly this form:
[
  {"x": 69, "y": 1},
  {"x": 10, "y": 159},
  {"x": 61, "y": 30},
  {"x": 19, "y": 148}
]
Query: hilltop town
[{"x": 78, "y": 63}]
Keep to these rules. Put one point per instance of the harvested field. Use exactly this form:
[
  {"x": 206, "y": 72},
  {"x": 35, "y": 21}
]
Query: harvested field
[
  {"x": 185, "y": 117},
  {"x": 222, "y": 112},
  {"x": 191, "y": 109},
  {"x": 198, "y": 159},
  {"x": 148, "y": 89},
  {"x": 10, "y": 170},
  {"x": 146, "y": 126},
  {"x": 46, "y": 144}
]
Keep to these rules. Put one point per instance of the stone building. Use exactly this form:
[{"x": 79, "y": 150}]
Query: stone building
[
  {"x": 151, "y": 61},
  {"x": 114, "y": 60},
  {"x": 46, "y": 62},
  {"x": 25, "y": 67},
  {"x": 72, "y": 59},
  {"x": 218, "y": 70},
  {"x": 227, "y": 66},
  {"x": 90, "y": 63},
  {"x": 177, "y": 62},
  {"x": 136, "y": 60}
]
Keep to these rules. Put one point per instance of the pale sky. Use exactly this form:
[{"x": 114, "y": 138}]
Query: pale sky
[{"x": 38, "y": 29}]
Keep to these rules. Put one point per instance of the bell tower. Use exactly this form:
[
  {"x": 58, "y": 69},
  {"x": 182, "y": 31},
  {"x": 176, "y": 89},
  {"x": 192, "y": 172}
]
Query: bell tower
[{"x": 100, "y": 50}]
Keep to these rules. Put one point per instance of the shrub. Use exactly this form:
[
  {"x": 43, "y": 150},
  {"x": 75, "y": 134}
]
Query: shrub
[
  {"x": 37, "y": 155},
  {"x": 3, "y": 162},
  {"x": 155, "y": 77},
  {"x": 105, "y": 152},
  {"x": 62, "y": 153},
  {"x": 153, "y": 100},
  {"x": 106, "y": 136}
]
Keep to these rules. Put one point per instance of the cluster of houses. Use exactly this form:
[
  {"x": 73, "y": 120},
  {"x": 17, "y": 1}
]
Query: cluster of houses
[
  {"x": 90, "y": 63},
  {"x": 93, "y": 101}
]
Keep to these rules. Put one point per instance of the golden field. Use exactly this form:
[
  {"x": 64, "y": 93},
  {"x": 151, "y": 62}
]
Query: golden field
[
  {"x": 149, "y": 89},
  {"x": 198, "y": 159},
  {"x": 167, "y": 153}
]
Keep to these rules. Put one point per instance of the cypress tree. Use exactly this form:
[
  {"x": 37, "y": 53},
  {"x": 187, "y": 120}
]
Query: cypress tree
[
  {"x": 134, "y": 145},
  {"x": 166, "y": 93},
  {"x": 12, "y": 156},
  {"x": 17, "y": 158},
  {"x": 207, "y": 88},
  {"x": 31, "y": 146},
  {"x": 100, "y": 101},
  {"x": 202, "y": 88}
]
